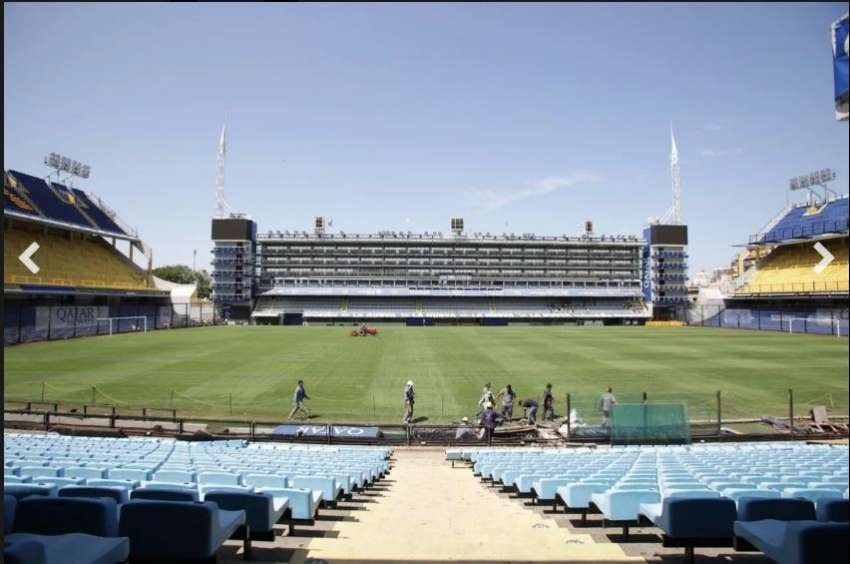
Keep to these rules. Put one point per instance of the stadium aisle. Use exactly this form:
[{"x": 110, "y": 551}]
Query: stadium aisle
[{"x": 430, "y": 511}]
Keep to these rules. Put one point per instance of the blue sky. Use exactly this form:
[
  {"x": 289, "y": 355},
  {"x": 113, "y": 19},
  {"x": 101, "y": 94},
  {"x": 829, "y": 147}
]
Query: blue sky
[{"x": 517, "y": 117}]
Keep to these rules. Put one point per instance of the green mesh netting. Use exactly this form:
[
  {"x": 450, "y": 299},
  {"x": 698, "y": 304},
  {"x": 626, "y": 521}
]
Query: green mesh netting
[{"x": 649, "y": 423}]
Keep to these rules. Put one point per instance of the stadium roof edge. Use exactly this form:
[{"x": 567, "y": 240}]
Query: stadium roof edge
[{"x": 69, "y": 226}]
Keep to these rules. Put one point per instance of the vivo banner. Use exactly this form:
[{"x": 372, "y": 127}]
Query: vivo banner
[
  {"x": 322, "y": 431},
  {"x": 839, "y": 59}
]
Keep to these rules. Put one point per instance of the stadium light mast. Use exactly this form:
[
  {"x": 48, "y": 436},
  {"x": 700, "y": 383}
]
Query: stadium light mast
[
  {"x": 674, "y": 214},
  {"x": 220, "y": 202}
]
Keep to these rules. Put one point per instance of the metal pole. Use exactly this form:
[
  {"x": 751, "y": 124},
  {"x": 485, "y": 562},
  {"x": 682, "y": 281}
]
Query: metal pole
[
  {"x": 569, "y": 426},
  {"x": 790, "y": 410},
  {"x": 171, "y": 402},
  {"x": 718, "y": 412},
  {"x": 49, "y": 320},
  {"x": 93, "y": 395}
]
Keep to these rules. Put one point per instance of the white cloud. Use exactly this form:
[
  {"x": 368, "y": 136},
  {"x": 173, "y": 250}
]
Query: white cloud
[
  {"x": 712, "y": 153},
  {"x": 492, "y": 199},
  {"x": 713, "y": 126}
]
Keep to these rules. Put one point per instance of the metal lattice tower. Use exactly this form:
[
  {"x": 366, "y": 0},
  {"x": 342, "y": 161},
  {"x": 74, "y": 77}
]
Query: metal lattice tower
[
  {"x": 220, "y": 202},
  {"x": 674, "y": 214}
]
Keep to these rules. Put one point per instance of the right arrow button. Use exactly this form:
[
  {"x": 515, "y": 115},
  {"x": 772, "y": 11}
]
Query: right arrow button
[{"x": 827, "y": 257}]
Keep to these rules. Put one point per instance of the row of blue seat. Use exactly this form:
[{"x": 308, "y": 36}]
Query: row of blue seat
[
  {"x": 99, "y": 531},
  {"x": 626, "y": 485},
  {"x": 224, "y": 477}
]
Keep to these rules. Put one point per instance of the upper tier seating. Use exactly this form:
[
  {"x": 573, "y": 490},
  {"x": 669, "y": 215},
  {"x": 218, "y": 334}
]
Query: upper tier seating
[
  {"x": 34, "y": 196},
  {"x": 791, "y": 268},
  {"x": 69, "y": 260},
  {"x": 804, "y": 222}
]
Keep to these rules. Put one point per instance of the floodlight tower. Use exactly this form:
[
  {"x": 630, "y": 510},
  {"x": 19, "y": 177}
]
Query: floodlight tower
[
  {"x": 665, "y": 258},
  {"x": 220, "y": 202},
  {"x": 673, "y": 216}
]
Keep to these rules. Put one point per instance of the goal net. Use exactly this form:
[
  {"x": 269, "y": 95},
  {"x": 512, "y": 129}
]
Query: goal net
[
  {"x": 127, "y": 324},
  {"x": 822, "y": 325}
]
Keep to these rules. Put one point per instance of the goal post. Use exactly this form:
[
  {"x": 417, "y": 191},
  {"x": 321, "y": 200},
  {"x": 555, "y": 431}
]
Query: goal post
[
  {"x": 800, "y": 324},
  {"x": 137, "y": 323}
]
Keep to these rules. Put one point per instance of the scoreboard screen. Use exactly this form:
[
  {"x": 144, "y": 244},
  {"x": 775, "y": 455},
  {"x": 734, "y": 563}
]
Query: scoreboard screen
[
  {"x": 668, "y": 234},
  {"x": 233, "y": 230}
]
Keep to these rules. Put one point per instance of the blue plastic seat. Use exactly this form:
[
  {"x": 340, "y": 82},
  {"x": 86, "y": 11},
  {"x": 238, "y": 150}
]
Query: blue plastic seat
[
  {"x": 85, "y": 472},
  {"x": 21, "y": 491},
  {"x": 782, "y": 509},
  {"x": 328, "y": 487},
  {"x": 9, "y": 503},
  {"x": 832, "y": 509},
  {"x": 266, "y": 480},
  {"x": 262, "y": 510},
  {"x": 59, "y": 516},
  {"x": 303, "y": 502},
  {"x": 72, "y": 548},
  {"x": 797, "y": 542},
  {"x": 120, "y": 495},
  {"x": 693, "y": 522},
  {"x": 160, "y": 530},
  {"x": 164, "y": 494}
]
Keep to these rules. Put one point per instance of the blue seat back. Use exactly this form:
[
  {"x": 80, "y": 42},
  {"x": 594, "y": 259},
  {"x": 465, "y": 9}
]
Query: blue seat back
[
  {"x": 781, "y": 509},
  {"x": 832, "y": 509},
  {"x": 169, "y": 529},
  {"x": 9, "y": 503},
  {"x": 257, "y": 507},
  {"x": 21, "y": 491},
  {"x": 707, "y": 518},
  {"x": 117, "y": 494},
  {"x": 164, "y": 494},
  {"x": 824, "y": 543},
  {"x": 58, "y": 516}
]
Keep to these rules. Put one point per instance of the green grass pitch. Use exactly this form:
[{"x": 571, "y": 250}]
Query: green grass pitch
[{"x": 250, "y": 372}]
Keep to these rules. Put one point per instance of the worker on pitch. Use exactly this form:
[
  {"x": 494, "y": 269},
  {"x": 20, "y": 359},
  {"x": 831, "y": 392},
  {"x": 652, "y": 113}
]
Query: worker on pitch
[
  {"x": 298, "y": 401},
  {"x": 507, "y": 396},
  {"x": 409, "y": 396}
]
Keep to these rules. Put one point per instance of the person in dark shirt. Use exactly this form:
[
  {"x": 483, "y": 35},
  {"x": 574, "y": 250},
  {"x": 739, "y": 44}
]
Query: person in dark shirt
[
  {"x": 548, "y": 404},
  {"x": 298, "y": 401},
  {"x": 488, "y": 421},
  {"x": 530, "y": 407}
]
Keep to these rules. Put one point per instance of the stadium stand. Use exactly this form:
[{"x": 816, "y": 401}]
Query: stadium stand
[
  {"x": 70, "y": 259},
  {"x": 808, "y": 221},
  {"x": 292, "y": 277},
  {"x": 791, "y": 269},
  {"x": 89, "y": 267},
  {"x": 54, "y": 202},
  {"x": 778, "y": 282},
  {"x": 694, "y": 494}
]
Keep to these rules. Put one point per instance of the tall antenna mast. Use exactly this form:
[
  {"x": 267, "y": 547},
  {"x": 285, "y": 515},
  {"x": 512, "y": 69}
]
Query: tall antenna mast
[
  {"x": 677, "y": 179},
  {"x": 673, "y": 216},
  {"x": 220, "y": 203}
]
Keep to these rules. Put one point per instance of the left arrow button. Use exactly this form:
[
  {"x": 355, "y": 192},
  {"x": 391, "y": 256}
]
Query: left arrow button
[{"x": 26, "y": 258}]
